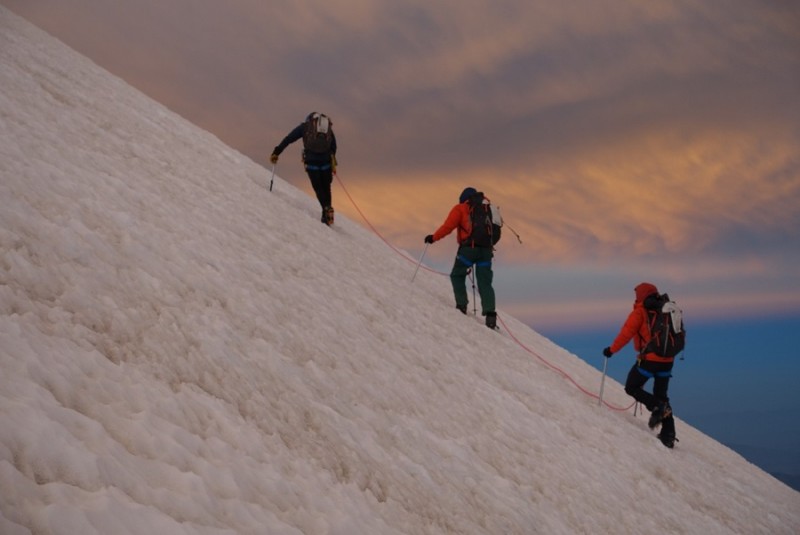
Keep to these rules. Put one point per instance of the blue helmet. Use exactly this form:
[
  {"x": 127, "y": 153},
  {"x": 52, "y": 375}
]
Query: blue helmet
[{"x": 466, "y": 194}]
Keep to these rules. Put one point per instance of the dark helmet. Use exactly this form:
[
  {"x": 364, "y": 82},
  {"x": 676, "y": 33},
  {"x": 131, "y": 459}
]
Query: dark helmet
[{"x": 466, "y": 194}]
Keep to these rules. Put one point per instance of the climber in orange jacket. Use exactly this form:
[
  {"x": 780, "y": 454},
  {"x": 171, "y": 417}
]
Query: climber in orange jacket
[
  {"x": 636, "y": 326},
  {"x": 469, "y": 254},
  {"x": 648, "y": 365}
]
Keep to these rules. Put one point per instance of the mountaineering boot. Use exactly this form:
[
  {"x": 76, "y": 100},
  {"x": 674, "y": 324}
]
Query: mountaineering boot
[
  {"x": 655, "y": 417},
  {"x": 662, "y": 410},
  {"x": 667, "y": 438},
  {"x": 327, "y": 215},
  {"x": 667, "y": 434},
  {"x": 491, "y": 320},
  {"x": 462, "y": 308}
]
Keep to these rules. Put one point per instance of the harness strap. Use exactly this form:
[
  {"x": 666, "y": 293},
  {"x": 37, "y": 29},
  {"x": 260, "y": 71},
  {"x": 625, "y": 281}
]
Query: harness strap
[
  {"x": 470, "y": 263},
  {"x": 323, "y": 167},
  {"x": 650, "y": 374}
]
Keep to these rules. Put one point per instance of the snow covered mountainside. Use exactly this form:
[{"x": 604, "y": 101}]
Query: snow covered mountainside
[{"x": 184, "y": 352}]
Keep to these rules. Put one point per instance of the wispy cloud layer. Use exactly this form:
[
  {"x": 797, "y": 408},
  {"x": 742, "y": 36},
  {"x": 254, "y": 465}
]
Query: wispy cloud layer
[{"x": 653, "y": 136}]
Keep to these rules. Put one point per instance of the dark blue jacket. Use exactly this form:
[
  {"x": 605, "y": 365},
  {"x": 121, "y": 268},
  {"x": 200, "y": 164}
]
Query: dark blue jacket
[{"x": 310, "y": 158}]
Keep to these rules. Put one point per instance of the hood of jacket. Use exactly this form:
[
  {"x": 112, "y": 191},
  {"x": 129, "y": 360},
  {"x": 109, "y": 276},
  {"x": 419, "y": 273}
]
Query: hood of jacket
[{"x": 644, "y": 290}]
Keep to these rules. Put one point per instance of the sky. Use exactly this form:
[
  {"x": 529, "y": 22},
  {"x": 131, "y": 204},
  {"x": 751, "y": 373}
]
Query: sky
[
  {"x": 624, "y": 141},
  {"x": 158, "y": 375}
]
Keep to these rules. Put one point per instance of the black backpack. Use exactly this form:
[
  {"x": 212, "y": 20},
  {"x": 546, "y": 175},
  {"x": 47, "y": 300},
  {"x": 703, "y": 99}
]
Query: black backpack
[
  {"x": 486, "y": 222},
  {"x": 318, "y": 135},
  {"x": 667, "y": 332}
]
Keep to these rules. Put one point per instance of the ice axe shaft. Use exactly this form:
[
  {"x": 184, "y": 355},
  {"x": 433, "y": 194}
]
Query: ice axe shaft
[
  {"x": 425, "y": 250},
  {"x": 603, "y": 380},
  {"x": 272, "y": 178}
]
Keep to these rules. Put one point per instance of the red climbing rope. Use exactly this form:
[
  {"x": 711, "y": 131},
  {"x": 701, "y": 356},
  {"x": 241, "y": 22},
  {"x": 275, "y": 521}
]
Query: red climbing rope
[{"x": 550, "y": 365}]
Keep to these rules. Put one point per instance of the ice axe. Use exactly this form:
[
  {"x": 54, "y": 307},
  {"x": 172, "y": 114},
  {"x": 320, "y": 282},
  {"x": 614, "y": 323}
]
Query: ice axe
[
  {"x": 420, "y": 261},
  {"x": 603, "y": 380},
  {"x": 272, "y": 177}
]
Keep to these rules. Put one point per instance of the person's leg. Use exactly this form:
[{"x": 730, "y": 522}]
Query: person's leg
[
  {"x": 660, "y": 372},
  {"x": 484, "y": 275},
  {"x": 660, "y": 387},
  {"x": 633, "y": 387},
  {"x": 667, "y": 434},
  {"x": 324, "y": 192},
  {"x": 458, "y": 278},
  {"x": 321, "y": 183}
]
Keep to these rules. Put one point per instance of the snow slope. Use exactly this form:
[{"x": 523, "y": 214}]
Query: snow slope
[{"x": 183, "y": 351}]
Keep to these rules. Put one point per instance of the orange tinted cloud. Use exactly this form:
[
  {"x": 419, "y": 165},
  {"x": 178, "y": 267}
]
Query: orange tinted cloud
[
  {"x": 657, "y": 192},
  {"x": 624, "y": 136}
]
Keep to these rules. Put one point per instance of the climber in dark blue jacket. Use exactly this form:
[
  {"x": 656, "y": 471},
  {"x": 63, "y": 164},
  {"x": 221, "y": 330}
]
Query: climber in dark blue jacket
[{"x": 319, "y": 157}]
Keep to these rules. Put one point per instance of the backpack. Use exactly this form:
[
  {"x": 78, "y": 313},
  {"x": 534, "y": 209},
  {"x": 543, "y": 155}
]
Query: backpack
[
  {"x": 667, "y": 333},
  {"x": 318, "y": 135},
  {"x": 486, "y": 222}
]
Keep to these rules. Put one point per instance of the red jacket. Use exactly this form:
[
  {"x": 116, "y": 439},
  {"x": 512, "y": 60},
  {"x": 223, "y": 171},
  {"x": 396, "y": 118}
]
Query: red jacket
[
  {"x": 637, "y": 327},
  {"x": 458, "y": 218}
]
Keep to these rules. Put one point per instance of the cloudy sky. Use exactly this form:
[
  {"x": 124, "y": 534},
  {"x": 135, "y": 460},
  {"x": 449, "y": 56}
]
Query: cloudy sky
[{"x": 623, "y": 140}]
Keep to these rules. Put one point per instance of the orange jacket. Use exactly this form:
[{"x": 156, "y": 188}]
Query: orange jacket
[
  {"x": 637, "y": 327},
  {"x": 457, "y": 218}
]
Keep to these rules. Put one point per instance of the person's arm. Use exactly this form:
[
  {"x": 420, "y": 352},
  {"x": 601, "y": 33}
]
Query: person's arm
[
  {"x": 449, "y": 225},
  {"x": 628, "y": 331},
  {"x": 290, "y": 138}
]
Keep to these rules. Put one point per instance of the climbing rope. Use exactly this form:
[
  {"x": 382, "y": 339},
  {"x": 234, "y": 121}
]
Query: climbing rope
[{"x": 550, "y": 365}]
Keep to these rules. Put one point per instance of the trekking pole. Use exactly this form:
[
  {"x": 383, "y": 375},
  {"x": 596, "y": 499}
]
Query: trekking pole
[
  {"x": 272, "y": 177},
  {"x": 474, "y": 303},
  {"x": 420, "y": 261},
  {"x": 603, "y": 380}
]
